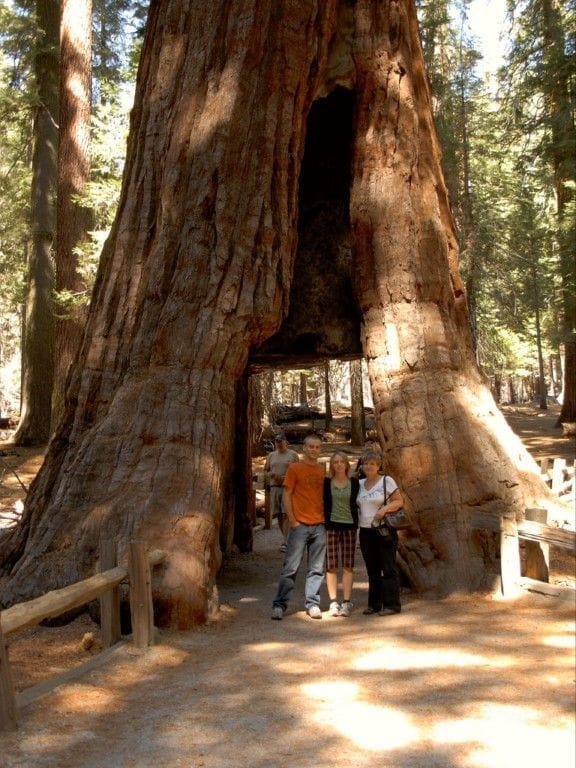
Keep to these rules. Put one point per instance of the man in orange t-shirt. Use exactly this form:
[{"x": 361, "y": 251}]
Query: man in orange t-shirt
[{"x": 303, "y": 503}]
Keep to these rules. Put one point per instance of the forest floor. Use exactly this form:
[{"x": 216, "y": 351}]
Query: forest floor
[{"x": 469, "y": 681}]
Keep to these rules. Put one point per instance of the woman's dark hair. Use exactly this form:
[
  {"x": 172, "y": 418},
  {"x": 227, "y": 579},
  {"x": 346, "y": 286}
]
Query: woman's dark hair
[{"x": 372, "y": 456}]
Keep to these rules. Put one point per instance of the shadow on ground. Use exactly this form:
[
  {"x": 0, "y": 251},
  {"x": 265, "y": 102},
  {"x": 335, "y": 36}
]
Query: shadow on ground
[{"x": 466, "y": 682}]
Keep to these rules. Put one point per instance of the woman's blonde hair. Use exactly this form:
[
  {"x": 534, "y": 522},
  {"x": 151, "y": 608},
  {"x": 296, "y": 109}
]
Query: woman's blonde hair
[{"x": 342, "y": 455}]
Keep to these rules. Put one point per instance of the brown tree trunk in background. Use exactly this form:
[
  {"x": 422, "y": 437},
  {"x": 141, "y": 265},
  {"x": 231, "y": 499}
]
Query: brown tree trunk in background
[
  {"x": 303, "y": 389},
  {"x": 358, "y": 417},
  {"x": 240, "y": 508},
  {"x": 563, "y": 149},
  {"x": 197, "y": 271},
  {"x": 38, "y": 348},
  {"x": 327, "y": 398},
  {"x": 542, "y": 393},
  {"x": 73, "y": 175}
]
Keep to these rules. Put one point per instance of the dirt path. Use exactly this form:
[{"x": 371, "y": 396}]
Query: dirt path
[{"x": 467, "y": 682}]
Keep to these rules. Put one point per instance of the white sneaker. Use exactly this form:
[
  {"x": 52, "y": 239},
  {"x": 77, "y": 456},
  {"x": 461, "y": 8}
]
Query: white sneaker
[
  {"x": 346, "y": 608},
  {"x": 334, "y": 609},
  {"x": 314, "y": 612},
  {"x": 277, "y": 613}
]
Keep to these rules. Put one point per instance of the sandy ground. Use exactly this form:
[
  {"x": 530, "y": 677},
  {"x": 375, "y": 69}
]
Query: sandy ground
[{"x": 469, "y": 682}]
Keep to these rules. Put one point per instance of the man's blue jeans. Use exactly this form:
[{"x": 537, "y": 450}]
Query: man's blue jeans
[{"x": 312, "y": 539}]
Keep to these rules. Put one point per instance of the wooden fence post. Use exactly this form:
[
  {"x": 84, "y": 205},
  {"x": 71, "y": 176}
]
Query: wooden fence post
[
  {"x": 8, "y": 717},
  {"x": 537, "y": 563},
  {"x": 141, "y": 607},
  {"x": 509, "y": 558},
  {"x": 110, "y": 600},
  {"x": 544, "y": 470},
  {"x": 558, "y": 475}
]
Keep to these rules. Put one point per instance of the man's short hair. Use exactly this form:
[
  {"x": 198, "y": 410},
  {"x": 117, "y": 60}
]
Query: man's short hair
[
  {"x": 280, "y": 436},
  {"x": 312, "y": 436}
]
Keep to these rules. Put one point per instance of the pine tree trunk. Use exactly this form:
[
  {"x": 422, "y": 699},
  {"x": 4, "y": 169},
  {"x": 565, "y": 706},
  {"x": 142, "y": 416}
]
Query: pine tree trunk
[
  {"x": 556, "y": 87},
  {"x": 303, "y": 399},
  {"x": 197, "y": 272},
  {"x": 358, "y": 419},
  {"x": 327, "y": 398},
  {"x": 73, "y": 175},
  {"x": 38, "y": 348}
]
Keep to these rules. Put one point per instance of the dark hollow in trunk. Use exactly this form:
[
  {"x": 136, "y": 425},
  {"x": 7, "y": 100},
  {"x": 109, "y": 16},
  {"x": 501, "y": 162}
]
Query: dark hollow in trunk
[{"x": 236, "y": 117}]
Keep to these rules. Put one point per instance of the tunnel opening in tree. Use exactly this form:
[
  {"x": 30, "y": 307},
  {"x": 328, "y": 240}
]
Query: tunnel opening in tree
[{"x": 323, "y": 319}]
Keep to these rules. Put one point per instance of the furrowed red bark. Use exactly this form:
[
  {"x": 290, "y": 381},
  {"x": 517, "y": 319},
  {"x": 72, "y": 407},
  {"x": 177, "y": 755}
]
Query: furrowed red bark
[{"x": 197, "y": 275}]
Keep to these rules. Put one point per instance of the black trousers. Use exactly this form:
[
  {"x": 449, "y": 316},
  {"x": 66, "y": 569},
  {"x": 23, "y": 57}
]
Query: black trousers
[{"x": 379, "y": 554}]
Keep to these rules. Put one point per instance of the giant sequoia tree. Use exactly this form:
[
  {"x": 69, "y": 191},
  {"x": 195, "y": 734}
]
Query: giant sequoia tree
[
  {"x": 220, "y": 214},
  {"x": 38, "y": 346}
]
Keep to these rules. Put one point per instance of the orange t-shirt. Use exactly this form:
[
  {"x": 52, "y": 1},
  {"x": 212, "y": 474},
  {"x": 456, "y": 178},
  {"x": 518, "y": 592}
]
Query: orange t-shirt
[{"x": 306, "y": 481}]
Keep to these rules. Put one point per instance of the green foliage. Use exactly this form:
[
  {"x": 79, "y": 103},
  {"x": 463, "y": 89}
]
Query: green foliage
[
  {"x": 118, "y": 27},
  {"x": 498, "y": 151},
  {"x": 15, "y": 176}
]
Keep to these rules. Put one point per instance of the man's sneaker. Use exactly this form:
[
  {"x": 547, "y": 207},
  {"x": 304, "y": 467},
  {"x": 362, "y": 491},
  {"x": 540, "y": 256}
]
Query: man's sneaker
[
  {"x": 277, "y": 613},
  {"x": 314, "y": 612},
  {"x": 346, "y": 608},
  {"x": 334, "y": 609},
  {"x": 283, "y": 547}
]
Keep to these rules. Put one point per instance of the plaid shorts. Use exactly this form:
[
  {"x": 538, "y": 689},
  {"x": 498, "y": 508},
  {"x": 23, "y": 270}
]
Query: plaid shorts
[{"x": 340, "y": 548}]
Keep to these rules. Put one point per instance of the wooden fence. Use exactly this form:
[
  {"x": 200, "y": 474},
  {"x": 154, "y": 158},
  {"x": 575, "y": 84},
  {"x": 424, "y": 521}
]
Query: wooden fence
[
  {"x": 103, "y": 585},
  {"x": 538, "y": 536},
  {"x": 558, "y": 474}
]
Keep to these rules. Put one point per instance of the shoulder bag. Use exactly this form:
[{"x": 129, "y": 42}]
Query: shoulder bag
[{"x": 397, "y": 521}]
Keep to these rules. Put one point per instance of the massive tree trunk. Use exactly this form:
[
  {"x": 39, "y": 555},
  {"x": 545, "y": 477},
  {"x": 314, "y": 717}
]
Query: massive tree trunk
[
  {"x": 197, "y": 273},
  {"x": 73, "y": 175},
  {"x": 38, "y": 347}
]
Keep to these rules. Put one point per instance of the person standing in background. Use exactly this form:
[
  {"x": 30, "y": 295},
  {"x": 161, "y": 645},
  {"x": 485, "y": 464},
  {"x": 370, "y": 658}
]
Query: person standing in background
[{"x": 275, "y": 468}]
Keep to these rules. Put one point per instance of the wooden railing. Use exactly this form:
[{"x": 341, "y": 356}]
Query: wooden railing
[
  {"x": 537, "y": 536},
  {"x": 103, "y": 585},
  {"x": 558, "y": 474}
]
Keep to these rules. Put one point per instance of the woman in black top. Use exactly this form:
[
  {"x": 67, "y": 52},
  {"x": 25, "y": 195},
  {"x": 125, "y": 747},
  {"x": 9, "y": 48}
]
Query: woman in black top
[{"x": 341, "y": 513}]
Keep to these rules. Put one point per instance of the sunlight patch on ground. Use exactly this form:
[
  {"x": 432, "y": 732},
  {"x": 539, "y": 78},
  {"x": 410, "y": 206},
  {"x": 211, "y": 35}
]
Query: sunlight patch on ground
[
  {"x": 559, "y": 641},
  {"x": 88, "y": 698},
  {"x": 44, "y": 743},
  {"x": 510, "y": 736},
  {"x": 272, "y": 647},
  {"x": 370, "y": 727},
  {"x": 399, "y": 657}
]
